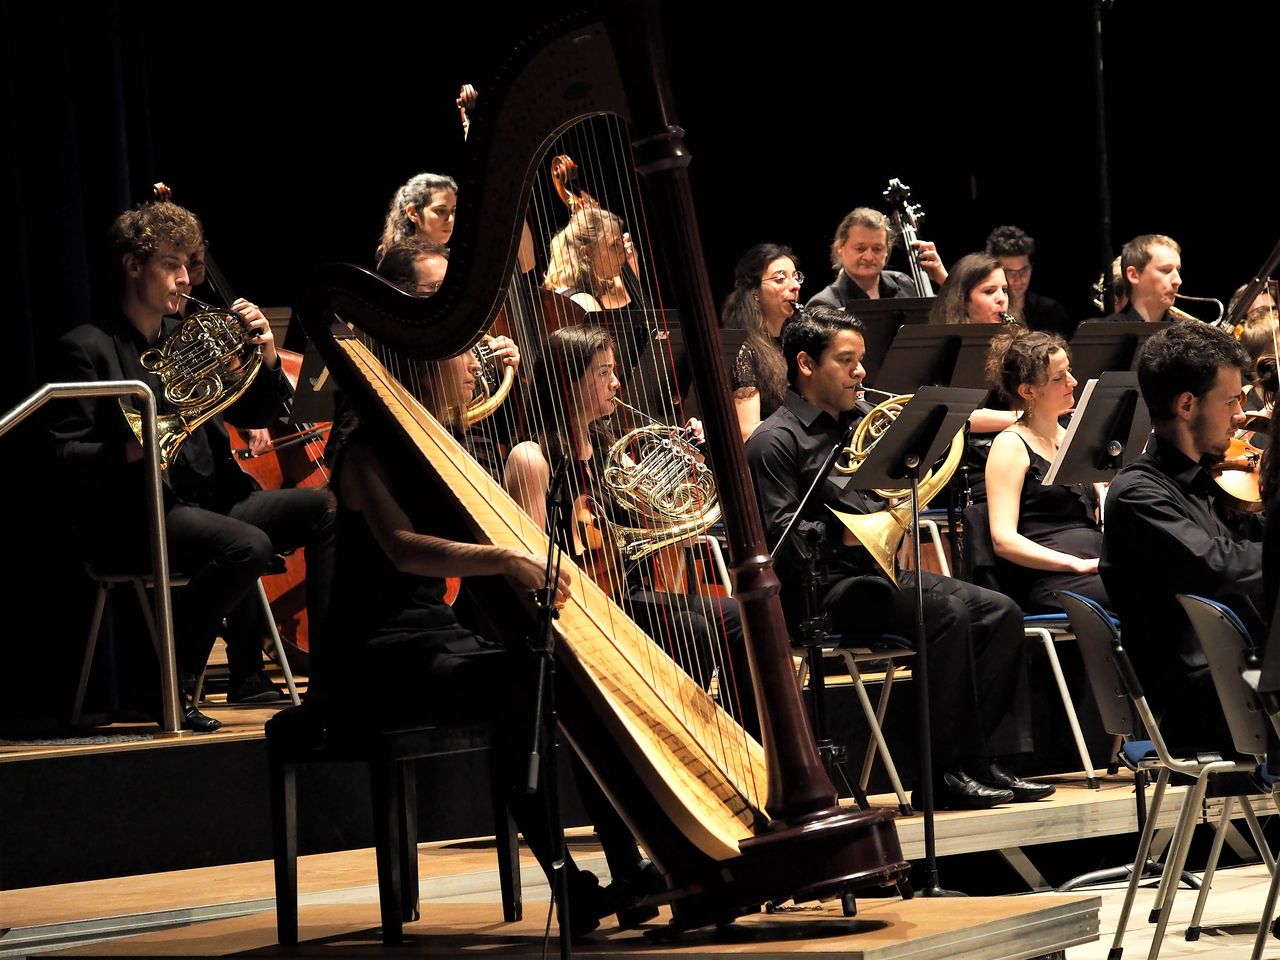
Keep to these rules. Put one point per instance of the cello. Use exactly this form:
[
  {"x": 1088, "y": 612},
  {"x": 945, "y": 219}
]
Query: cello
[{"x": 731, "y": 823}]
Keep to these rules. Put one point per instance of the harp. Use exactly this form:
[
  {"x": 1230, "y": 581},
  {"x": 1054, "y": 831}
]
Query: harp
[{"x": 730, "y": 822}]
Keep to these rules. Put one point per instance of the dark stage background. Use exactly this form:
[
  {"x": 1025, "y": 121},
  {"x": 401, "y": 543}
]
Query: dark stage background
[{"x": 287, "y": 129}]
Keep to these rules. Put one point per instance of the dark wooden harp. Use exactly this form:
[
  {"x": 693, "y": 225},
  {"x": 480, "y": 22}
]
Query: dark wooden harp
[{"x": 731, "y": 824}]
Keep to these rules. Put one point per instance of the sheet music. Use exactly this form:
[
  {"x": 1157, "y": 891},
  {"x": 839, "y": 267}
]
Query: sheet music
[{"x": 1077, "y": 418}]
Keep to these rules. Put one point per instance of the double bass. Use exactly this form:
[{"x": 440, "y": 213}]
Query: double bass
[{"x": 730, "y": 823}]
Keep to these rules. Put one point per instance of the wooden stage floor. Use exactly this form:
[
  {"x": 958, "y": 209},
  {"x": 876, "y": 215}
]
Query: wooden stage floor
[{"x": 220, "y": 911}]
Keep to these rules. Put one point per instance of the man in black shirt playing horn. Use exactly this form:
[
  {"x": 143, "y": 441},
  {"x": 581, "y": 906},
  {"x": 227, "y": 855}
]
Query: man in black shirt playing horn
[{"x": 978, "y": 704}]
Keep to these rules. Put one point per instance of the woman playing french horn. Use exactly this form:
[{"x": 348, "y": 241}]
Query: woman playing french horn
[{"x": 576, "y": 386}]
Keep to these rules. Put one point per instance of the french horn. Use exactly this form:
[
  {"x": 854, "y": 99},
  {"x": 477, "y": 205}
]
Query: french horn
[
  {"x": 662, "y": 480},
  {"x": 204, "y": 367},
  {"x": 881, "y": 532}
]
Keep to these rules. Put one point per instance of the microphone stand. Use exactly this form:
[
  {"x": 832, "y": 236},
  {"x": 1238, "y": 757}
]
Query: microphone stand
[{"x": 545, "y": 723}]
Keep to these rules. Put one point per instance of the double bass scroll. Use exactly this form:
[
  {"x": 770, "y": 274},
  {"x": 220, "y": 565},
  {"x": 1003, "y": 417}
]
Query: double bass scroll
[{"x": 730, "y": 823}]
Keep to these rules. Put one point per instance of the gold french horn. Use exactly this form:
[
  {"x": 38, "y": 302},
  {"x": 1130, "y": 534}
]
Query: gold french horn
[
  {"x": 882, "y": 532},
  {"x": 663, "y": 480},
  {"x": 204, "y": 367},
  {"x": 492, "y": 385}
]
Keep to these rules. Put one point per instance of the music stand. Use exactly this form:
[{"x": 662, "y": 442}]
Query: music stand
[
  {"x": 881, "y": 320},
  {"x": 1101, "y": 346},
  {"x": 313, "y": 396},
  {"x": 646, "y": 357},
  {"x": 971, "y": 362},
  {"x": 915, "y": 441},
  {"x": 1108, "y": 429}
]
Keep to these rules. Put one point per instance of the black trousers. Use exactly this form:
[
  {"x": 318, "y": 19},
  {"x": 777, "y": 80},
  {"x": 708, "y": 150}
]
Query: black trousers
[
  {"x": 224, "y": 554},
  {"x": 979, "y": 705}
]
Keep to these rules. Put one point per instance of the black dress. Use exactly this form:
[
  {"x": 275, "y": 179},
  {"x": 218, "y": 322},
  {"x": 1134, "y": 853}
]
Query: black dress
[
  {"x": 1061, "y": 518},
  {"x": 746, "y": 373}
]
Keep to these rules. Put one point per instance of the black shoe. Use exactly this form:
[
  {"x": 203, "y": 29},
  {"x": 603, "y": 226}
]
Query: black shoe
[
  {"x": 629, "y": 892},
  {"x": 255, "y": 688},
  {"x": 959, "y": 791},
  {"x": 192, "y": 719},
  {"x": 589, "y": 903},
  {"x": 196, "y": 721},
  {"x": 1024, "y": 791}
]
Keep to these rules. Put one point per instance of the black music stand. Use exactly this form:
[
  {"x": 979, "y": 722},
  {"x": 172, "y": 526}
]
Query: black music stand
[
  {"x": 1101, "y": 346},
  {"x": 1108, "y": 429},
  {"x": 652, "y": 360},
  {"x": 313, "y": 396},
  {"x": 882, "y": 319},
  {"x": 918, "y": 356},
  {"x": 923, "y": 430}
]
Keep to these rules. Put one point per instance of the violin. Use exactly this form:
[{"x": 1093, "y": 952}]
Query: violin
[{"x": 1237, "y": 473}]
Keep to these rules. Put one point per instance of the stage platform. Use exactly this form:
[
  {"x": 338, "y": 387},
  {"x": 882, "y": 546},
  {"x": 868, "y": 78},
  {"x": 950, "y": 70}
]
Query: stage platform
[{"x": 220, "y": 911}]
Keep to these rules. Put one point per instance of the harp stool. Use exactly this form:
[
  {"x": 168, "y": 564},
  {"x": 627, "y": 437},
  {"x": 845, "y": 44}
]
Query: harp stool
[{"x": 295, "y": 736}]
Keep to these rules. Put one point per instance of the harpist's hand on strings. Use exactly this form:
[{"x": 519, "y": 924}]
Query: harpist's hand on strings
[{"x": 529, "y": 570}]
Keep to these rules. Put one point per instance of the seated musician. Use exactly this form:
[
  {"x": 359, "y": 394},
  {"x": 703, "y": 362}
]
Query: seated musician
[
  {"x": 222, "y": 530},
  {"x": 1046, "y": 538},
  {"x": 975, "y": 636},
  {"x": 423, "y": 207},
  {"x": 1151, "y": 268},
  {"x": 398, "y": 654},
  {"x": 766, "y": 288},
  {"x": 977, "y": 291},
  {"x": 576, "y": 385},
  {"x": 591, "y": 262},
  {"x": 418, "y": 266},
  {"x": 859, "y": 252},
  {"x": 1016, "y": 252},
  {"x": 1169, "y": 530}
]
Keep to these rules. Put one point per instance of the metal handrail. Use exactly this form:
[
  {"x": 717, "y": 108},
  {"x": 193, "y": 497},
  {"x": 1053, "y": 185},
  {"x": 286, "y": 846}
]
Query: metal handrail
[{"x": 170, "y": 720}]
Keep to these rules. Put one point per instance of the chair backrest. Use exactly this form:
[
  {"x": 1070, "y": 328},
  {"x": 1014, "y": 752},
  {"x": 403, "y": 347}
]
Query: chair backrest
[
  {"x": 980, "y": 553},
  {"x": 1096, "y": 635},
  {"x": 1228, "y": 649}
]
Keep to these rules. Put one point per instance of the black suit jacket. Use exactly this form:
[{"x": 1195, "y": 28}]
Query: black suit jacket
[{"x": 89, "y": 435}]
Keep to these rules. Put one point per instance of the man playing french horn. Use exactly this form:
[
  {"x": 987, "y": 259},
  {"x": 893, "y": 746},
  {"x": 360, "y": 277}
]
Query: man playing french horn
[
  {"x": 222, "y": 530},
  {"x": 978, "y": 699}
]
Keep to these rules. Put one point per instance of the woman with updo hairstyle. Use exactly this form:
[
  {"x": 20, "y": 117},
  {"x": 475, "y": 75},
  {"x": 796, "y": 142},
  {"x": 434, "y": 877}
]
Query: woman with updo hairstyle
[
  {"x": 766, "y": 287},
  {"x": 1046, "y": 538},
  {"x": 424, "y": 207},
  {"x": 591, "y": 262}
]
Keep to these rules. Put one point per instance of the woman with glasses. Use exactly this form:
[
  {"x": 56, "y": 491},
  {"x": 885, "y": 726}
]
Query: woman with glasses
[{"x": 766, "y": 290}]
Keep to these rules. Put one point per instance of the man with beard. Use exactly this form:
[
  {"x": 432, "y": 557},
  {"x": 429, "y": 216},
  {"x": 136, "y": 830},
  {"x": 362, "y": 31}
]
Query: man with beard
[{"x": 1168, "y": 530}]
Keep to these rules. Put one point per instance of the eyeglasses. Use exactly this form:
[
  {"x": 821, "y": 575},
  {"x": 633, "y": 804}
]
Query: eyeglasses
[
  {"x": 1019, "y": 274},
  {"x": 782, "y": 279},
  {"x": 427, "y": 289}
]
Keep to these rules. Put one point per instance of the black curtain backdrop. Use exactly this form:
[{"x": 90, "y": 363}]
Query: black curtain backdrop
[{"x": 287, "y": 129}]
